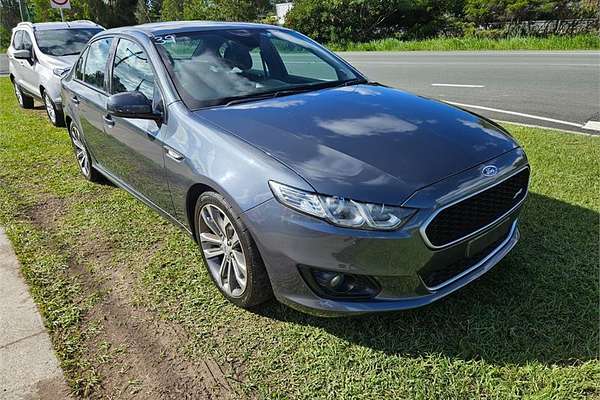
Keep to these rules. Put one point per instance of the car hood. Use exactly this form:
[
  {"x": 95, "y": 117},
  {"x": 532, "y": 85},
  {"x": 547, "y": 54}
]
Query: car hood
[
  {"x": 365, "y": 142},
  {"x": 60, "y": 62}
]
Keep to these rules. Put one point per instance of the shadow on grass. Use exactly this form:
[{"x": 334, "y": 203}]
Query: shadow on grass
[{"x": 538, "y": 304}]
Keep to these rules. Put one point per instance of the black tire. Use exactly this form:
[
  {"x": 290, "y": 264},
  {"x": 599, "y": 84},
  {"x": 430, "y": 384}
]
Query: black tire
[
  {"x": 80, "y": 150},
  {"x": 258, "y": 287},
  {"x": 23, "y": 100},
  {"x": 55, "y": 115}
]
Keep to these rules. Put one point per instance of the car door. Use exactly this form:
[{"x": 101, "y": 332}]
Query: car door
[
  {"x": 30, "y": 80},
  {"x": 138, "y": 156},
  {"x": 89, "y": 96}
]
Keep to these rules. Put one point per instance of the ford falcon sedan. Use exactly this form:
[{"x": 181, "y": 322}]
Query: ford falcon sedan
[{"x": 297, "y": 176}]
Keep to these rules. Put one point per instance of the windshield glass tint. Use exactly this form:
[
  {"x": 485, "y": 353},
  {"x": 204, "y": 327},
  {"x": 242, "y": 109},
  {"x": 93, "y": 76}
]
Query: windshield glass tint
[
  {"x": 215, "y": 67},
  {"x": 64, "y": 42}
]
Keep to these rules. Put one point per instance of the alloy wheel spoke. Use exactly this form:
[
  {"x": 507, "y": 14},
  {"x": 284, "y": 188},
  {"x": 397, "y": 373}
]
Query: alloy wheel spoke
[
  {"x": 240, "y": 274},
  {"x": 210, "y": 222},
  {"x": 235, "y": 239},
  {"x": 240, "y": 262},
  {"x": 211, "y": 238},
  {"x": 224, "y": 275},
  {"x": 212, "y": 252}
]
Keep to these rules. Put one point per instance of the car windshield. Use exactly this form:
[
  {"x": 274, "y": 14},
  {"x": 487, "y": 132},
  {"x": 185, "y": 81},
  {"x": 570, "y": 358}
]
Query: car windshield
[
  {"x": 220, "y": 67},
  {"x": 64, "y": 42}
]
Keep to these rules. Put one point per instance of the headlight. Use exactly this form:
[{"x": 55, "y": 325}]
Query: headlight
[
  {"x": 61, "y": 71},
  {"x": 341, "y": 211}
]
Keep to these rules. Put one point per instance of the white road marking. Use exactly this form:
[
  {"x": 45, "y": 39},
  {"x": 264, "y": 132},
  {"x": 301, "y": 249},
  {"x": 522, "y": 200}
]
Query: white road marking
[
  {"x": 457, "y": 85},
  {"x": 593, "y": 125},
  {"x": 556, "y": 121},
  {"x": 496, "y": 64},
  {"x": 547, "y": 127}
]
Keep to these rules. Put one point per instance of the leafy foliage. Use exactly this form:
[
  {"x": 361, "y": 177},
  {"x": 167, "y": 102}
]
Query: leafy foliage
[{"x": 343, "y": 21}]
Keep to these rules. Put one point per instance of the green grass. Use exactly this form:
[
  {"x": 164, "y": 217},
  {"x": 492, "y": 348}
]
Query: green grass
[
  {"x": 528, "y": 329},
  {"x": 577, "y": 42}
]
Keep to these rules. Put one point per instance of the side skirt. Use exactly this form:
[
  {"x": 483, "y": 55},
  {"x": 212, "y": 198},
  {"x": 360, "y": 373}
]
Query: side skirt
[{"x": 142, "y": 198}]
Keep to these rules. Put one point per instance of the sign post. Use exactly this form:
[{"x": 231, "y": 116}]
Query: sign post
[{"x": 61, "y": 5}]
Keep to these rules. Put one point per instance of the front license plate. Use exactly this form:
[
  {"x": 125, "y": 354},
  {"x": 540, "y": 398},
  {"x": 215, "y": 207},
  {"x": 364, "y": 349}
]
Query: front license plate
[{"x": 484, "y": 242}]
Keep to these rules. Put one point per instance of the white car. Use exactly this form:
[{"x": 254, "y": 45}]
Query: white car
[{"x": 39, "y": 56}]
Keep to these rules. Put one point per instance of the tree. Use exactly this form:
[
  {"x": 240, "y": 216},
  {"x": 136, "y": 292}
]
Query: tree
[
  {"x": 363, "y": 20},
  {"x": 172, "y": 10},
  {"x": 9, "y": 17},
  {"x": 148, "y": 11},
  {"x": 225, "y": 10}
]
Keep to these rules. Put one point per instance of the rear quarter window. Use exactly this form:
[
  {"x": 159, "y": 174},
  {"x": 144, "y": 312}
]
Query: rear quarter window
[
  {"x": 17, "y": 42},
  {"x": 95, "y": 63}
]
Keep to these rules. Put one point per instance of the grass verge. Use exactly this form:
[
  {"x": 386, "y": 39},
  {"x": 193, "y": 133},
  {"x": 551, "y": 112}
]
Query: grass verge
[
  {"x": 576, "y": 42},
  {"x": 100, "y": 266}
]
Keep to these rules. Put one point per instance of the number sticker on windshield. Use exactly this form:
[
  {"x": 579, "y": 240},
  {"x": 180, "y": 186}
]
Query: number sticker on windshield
[{"x": 165, "y": 39}]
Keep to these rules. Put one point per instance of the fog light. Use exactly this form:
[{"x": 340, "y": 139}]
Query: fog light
[{"x": 332, "y": 284}]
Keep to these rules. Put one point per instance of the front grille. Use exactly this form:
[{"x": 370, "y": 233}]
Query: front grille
[
  {"x": 437, "y": 277},
  {"x": 476, "y": 212}
]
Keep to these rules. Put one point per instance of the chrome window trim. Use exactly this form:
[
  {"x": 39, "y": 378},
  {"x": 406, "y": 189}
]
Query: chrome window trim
[
  {"x": 474, "y": 233},
  {"x": 478, "y": 264}
]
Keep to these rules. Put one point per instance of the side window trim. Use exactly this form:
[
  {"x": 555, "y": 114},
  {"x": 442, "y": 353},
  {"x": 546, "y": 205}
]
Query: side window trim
[
  {"x": 28, "y": 36},
  {"x": 83, "y": 59}
]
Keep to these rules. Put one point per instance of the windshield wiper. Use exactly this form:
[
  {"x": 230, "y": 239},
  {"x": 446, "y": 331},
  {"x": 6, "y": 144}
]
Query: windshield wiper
[
  {"x": 228, "y": 101},
  {"x": 355, "y": 81}
]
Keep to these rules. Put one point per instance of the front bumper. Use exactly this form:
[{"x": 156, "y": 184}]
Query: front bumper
[{"x": 397, "y": 260}]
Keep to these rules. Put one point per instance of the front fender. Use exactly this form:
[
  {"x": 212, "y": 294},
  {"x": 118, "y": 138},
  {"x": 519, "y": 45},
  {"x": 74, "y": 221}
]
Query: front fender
[{"x": 219, "y": 160}]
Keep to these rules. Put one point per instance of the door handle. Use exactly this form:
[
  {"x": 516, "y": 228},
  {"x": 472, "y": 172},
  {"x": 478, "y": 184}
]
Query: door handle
[
  {"x": 173, "y": 155},
  {"x": 108, "y": 120},
  {"x": 75, "y": 100}
]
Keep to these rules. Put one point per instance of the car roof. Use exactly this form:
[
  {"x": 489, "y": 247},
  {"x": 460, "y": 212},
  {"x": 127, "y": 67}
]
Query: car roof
[
  {"x": 46, "y": 26},
  {"x": 162, "y": 28}
]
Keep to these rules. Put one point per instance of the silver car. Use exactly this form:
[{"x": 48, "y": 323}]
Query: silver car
[{"x": 39, "y": 55}]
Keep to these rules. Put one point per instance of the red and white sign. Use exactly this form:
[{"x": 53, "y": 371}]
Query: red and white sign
[{"x": 60, "y": 4}]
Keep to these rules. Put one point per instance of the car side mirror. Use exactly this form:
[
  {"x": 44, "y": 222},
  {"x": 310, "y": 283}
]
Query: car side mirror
[
  {"x": 131, "y": 105},
  {"x": 22, "y": 54}
]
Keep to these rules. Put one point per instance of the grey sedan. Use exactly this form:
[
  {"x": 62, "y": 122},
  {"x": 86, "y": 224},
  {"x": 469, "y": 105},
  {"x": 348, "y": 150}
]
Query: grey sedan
[{"x": 296, "y": 175}]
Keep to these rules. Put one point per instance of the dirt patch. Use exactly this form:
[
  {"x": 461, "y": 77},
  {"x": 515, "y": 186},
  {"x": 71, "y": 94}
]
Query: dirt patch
[
  {"x": 137, "y": 354},
  {"x": 44, "y": 215}
]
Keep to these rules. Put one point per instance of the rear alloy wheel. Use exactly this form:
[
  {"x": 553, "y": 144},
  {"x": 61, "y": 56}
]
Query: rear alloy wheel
[
  {"x": 24, "y": 100},
  {"x": 82, "y": 155},
  {"x": 54, "y": 115},
  {"x": 230, "y": 253}
]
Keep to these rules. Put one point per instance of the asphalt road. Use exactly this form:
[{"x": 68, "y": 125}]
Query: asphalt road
[
  {"x": 562, "y": 86},
  {"x": 553, "y": 89}
]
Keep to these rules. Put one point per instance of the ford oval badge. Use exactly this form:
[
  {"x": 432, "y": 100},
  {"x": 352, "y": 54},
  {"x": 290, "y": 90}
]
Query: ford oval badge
[{"x": 489, "y": 170}]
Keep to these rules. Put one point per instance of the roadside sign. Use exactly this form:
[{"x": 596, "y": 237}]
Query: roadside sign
[{"x": 60, "y": 4}]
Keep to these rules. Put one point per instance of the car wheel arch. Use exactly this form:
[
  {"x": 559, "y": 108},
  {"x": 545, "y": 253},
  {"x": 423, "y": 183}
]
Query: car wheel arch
[{"x": 193, "y": 194}]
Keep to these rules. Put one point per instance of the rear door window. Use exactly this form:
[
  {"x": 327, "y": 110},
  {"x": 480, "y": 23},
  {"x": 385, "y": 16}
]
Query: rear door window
[{"x": 95, "y": 63}]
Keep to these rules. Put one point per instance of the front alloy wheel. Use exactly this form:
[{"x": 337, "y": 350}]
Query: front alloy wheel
[
  {"x": 229, "y": 252},
  {"x": 223, "y": 250}
]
